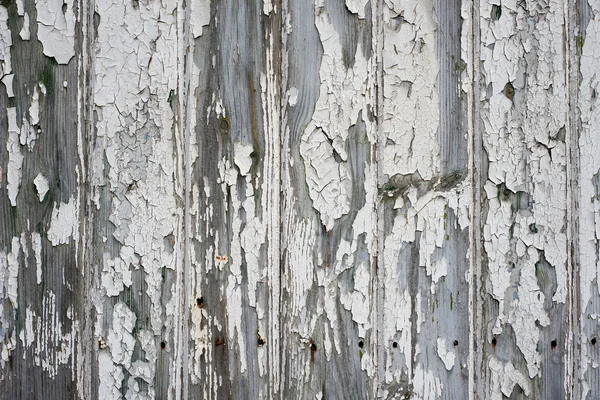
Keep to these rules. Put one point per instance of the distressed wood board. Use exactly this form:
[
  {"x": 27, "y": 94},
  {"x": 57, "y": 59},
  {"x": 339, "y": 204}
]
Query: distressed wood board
[{"x": 326, "y": 199}]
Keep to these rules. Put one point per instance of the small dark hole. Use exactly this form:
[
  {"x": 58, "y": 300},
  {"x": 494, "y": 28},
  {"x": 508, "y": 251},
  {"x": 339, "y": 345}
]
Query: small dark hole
[
  {"x": 553, "y": 343},
  {"x": 224, "y": 123},
  {"x": 455, "y": 343},
  {"x": 533, "y": 228},
  {"x": 261, "y": 341},
  {"x": 496, "y": 12},
  {"x": 200, "y": 302},
  {"x": 395, "y": 344},
  {"x": 494, "y": 341},
  {"x": 313, "y": 347},
  {"x": 163, "y": 345},
  {"x": 361, "y": 344},
  {"x": 593, "y": 340}
]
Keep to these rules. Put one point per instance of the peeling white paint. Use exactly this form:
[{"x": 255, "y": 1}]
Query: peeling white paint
[
  {"x": 199, "y": 16},
  {"x": 36, "y": 244},
  {"x": 48, "y": 342},
  {"x": 341, "y": 100},
  {"x": 24, "y": 33},
  {"x": 5, "y": 57},
  {"x": 446, "y": 355},
  {"x": 15, "y": 158},
  {"x": 56, "y": 29},
  {"x": 504, "y": 378},
  {"x": 41, "y": 185},
  {"x": 64, "y": 223}
]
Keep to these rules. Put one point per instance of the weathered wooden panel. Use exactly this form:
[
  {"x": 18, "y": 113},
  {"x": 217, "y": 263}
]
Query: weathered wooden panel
[
  {"x": 523, "y": 119},
  {"x": 299, "y": 199},
  {"x": 425, "y": 200},
  {"x": 234, "y": 123},
  {"x": 329, "y": 190},
  {"x": 42, "y": 192}
]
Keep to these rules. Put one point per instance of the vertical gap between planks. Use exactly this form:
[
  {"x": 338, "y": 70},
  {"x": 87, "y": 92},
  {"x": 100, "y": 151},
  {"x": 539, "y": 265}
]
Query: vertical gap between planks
[
  {"x": 181, "y": 365},
  {"x": 476, "y": 306},
  {"x": 571, "y": 334},
  {"x": 86, "y": 121}
]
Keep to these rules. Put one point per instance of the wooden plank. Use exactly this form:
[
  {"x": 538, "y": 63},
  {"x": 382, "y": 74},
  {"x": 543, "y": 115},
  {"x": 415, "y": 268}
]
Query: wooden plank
[
  {"x": 329, "y": 191},
  {"x": 136, "y": 172},
  {"x": 524, "y": 109},
  {"x": 587, "y": 177},
  {"x": 234, "y": 119},
  {"x": 41, "y": 201},
  {"x": 425, "y": 201}
]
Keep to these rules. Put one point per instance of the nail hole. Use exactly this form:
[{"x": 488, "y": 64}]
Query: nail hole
[
  {"x": 260, "y": 341},
  {"x": 163, "y": 345},
  {"x": 455, "y": 343},
  {"x": 200, "y": 302},
  {"x": 494, "y": 341},
  {"x": 553, "y": 343},
  {"x": 224, "y": 123},
  {"x": 395, "y": 344},
  {"x": 313, "y": 347},
  {"x": 593, "y": 340},
  {"x": 361, "y": 344}
]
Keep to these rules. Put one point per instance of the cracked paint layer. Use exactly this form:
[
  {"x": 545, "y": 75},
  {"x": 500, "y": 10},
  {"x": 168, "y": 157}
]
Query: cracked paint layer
[
  {"x": 15, "y": 158},
  {"x": 342, "y": 101},
  {"x": 524, "y": 115},
  {"x": 138, "y": 184},
  {"x": 56, "y": 28}
]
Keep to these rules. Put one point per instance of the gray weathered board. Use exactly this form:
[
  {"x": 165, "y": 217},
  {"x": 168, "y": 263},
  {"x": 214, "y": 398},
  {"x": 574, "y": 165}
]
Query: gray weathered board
[{"x": 299, "y": 199}]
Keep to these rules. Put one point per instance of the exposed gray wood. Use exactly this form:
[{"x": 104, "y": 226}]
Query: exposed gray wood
[
  {"x": 40, "y": 255},
  {"x": 329, "y": 189},
  {"x": 234, "y": 283}
]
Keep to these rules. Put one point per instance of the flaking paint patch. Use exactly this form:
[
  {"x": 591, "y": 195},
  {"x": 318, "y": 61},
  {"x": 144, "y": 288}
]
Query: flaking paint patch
[
  {"x": 15, "y": 158},
  {"x": 64, "y": 223},
  {"x": 342, "y": 99},
  {"x": 411, "y": 74},
  {"x": 41, "y": 186},
  {"x": 446, "y": 355},
  {"x": 504, "y": 378},
  {"x": 56, "y": 28},
  {"x": 24, "y": 33},
  {"x": 47, "y": 342},
  {"x": 36, "y": 244},
  {"x": 5, "y": 58}
]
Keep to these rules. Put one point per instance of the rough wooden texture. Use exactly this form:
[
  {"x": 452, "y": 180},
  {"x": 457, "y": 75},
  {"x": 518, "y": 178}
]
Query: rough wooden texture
[{"x": 328, "y": 199}]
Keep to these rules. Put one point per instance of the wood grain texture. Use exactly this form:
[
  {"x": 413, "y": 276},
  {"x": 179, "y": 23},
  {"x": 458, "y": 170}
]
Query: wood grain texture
[
  {"x": 42, "y": 178},
  {"x": 329, "y": 190},
  {"x": 234, "y": 117}
]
